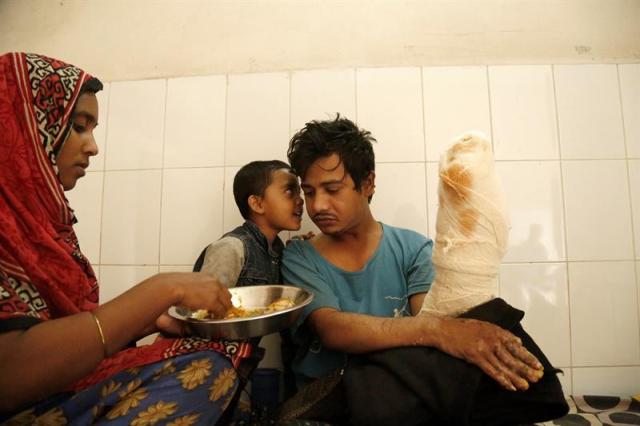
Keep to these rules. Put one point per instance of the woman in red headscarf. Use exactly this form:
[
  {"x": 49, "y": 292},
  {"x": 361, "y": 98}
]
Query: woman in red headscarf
[{"x": 64, "y": 357}]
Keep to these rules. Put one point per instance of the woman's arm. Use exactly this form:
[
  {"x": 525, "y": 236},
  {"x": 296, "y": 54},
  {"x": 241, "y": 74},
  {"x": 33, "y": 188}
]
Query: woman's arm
[{"x": 49, "y": 356}]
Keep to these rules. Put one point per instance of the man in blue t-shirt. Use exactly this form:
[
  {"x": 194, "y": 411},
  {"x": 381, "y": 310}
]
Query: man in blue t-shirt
[{"x": 369, "y": 279}]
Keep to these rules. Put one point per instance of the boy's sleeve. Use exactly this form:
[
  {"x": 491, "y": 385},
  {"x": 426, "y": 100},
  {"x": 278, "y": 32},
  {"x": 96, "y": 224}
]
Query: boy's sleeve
[
  {"x": 299, "y": 271},
  {"x": 224, "y": 260},
  {"x": 420, "y": 272}
]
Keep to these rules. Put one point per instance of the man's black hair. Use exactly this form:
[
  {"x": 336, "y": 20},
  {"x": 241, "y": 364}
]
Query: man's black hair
[
  {"x": 253, "y": 179},
  {"x": 318, "y": 139}
]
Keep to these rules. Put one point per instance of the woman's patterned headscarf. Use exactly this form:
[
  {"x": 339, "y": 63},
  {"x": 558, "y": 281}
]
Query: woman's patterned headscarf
[
  {"x": 42, "y": 271},
  {"x": 43, "y": 274}
]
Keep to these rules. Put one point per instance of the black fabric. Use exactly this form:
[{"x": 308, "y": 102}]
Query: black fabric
[
  {"x": 261, "y": 257},
  {"x": 288, "y": 353},
  {"x": 245, "y": 369},
  {"x": 420, "y": 385},
  {"x": 197, "y": 267}
]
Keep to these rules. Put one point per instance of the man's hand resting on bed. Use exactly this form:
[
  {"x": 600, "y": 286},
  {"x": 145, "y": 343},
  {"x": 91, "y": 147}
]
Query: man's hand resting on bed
[{"x": 497, "y": 352}]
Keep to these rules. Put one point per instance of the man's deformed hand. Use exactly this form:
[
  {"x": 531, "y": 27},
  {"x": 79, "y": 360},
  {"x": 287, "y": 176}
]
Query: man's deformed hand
[{"x": 493, "y": 349}]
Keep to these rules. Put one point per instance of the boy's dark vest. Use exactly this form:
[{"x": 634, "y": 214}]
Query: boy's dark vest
[
  {"x": 261, "y": 266},
  {"x": 261, "y": 259}
]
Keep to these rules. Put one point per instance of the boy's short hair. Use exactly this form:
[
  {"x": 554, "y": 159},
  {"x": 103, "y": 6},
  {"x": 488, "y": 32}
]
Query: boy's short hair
[
  {"x": 318, "y": 139},
  {"x": 252, "y": 179}
]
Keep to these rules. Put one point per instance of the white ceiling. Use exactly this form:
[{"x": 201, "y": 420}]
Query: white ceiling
[{"x": 120, "y": 39}]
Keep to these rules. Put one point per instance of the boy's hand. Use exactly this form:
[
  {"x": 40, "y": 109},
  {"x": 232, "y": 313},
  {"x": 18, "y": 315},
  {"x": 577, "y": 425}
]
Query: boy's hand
[{"x": 306, "y": 236}]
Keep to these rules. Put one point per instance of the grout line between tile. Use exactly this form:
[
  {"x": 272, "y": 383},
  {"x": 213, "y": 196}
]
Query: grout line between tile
[
  {"x": 633, "y": 231},
  {"x": 493, "y": 149},
  {"x": 290, "y": 130},
  {"x": 564, "y": 217},
  {"x": 424, "y": 147},
  {"x": 355, "y": 92},
  {"x": 493, "y": 145},
  {"x": 581, "y": 367},
  {"x": 537, "y": 262},
  {"x": 224, "y": 149},
  {"x": 104, "y": 175},
  {"x": 164, "y": 128}
]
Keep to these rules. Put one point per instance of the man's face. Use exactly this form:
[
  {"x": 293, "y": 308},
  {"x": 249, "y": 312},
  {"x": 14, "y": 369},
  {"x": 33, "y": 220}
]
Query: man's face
[{"x": 333, "y": 203}]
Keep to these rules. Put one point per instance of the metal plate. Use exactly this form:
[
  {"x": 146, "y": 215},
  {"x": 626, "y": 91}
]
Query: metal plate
[{"x": 249, "y": 297}]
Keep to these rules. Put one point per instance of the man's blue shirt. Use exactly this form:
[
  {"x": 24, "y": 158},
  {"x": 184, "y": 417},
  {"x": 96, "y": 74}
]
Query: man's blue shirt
[{"x": 399, "y": 268}]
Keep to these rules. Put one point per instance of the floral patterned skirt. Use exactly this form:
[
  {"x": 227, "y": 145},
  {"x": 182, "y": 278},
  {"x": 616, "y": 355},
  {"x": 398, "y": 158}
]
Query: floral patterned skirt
[{"x": 190, "y": 389}]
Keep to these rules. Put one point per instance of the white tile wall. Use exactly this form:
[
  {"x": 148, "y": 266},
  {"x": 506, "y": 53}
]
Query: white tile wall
[
  {"x": 589, "y": 111},
  {"x": 320, "y": 94},
  {"x": 86, "y": 200},
  {"x": 604, "y": 311},
  {"x": 523, "y": 112},
  {"x": 540, "y": 290},
  {"x": 621, "y": 381},
  {"x": 195, "y": 123},
  {"x": 598, "y": 210},
  {"x": 534, "y": 193},
  {"x": 191, "y": 214},
  {"x": 231, "y": 214},
  {"x": 638, "y": 284},
  {"x": 136, "y": 125},
  {"x": 573, "y": 261},
  {"x": 432, "y": 196},
  {"x": 131, "y": 218},
  {"x": 389, "y": 105},
  {"x": 634, "y": 182},
  {"x": 630, "y": 93},
  {"x": 400, "y": 198},
  {"x": 115, "y": 280},
  {"x": 100, "y": 132},
  {"x": 177, "y": 268},
  {"x": 456, "y": 100},
  {"x": 257, "y": 118}
]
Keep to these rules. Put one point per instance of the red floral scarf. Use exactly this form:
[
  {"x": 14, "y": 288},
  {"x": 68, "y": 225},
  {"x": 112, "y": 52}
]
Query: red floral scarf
[{"x": 43, "y": 274}]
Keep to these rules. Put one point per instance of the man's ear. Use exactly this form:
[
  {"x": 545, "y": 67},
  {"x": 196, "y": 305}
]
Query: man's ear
[
  {"x": 369, "y": 184},
  {"x": 255, "y": 204}
]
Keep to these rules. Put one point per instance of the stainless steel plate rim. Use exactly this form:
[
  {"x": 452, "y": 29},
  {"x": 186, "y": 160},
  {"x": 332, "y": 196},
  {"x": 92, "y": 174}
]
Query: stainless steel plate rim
[{"x": 173, "y": 311}]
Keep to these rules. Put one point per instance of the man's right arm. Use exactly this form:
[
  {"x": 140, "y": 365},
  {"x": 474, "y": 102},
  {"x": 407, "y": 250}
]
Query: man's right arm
[
  {"x": 359, "y": 333},
  {"x": 494, "y": 350}
]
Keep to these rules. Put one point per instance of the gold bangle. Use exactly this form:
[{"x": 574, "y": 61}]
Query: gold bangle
[{"x": 104, "y": 343}]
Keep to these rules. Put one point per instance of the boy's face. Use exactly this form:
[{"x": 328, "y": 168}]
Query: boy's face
[
  {"x": 282, "y": 202},
  {"x": 333, "y": 203}
]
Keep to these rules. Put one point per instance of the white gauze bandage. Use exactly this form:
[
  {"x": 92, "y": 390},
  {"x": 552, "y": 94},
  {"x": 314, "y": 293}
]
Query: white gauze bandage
[{"x": 471, "y": 229}]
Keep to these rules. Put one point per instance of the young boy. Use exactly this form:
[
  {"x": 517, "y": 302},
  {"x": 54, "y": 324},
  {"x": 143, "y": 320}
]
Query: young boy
[
  {"x": 268, "y": 197},
  {"x": 267, "y": 194}
]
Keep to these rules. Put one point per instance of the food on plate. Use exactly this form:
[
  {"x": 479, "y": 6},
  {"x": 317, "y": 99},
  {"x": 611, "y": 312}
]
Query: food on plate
[{"x": 240, "y": 312}]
